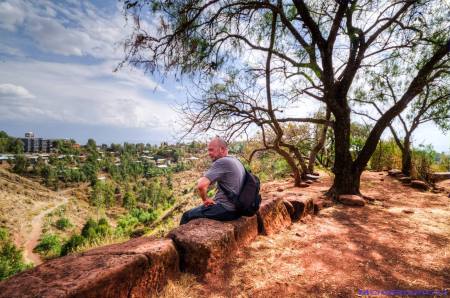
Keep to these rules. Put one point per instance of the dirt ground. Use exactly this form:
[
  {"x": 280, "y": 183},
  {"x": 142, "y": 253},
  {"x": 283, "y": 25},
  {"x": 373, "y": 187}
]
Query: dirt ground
[{"x": 401, "y": 241}]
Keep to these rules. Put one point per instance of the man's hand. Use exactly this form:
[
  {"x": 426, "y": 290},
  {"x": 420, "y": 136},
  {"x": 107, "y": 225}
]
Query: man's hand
[
  {"x": 208, "y": 202},
  {"x": 202, "y": 188}
]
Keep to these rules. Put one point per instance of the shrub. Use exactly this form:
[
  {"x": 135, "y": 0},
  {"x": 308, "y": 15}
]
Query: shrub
[
  {"x": 126, "y": 225},
  {"x": 387, "y": 156},
  {"x": 63, "y": 223},
  {"x": 423, "y": 160},
  {"x": 49, "y": 245},
  {"x": 72, "y": 244},
  {"x": 281, "y": 168},
  {"x": 129, "y": 200},
  {"x": 144, "y": 216},
  {"x": 89, "y": 229},
  {"x": 11, "y": 260},
  {"x": 92, "y": 232}
]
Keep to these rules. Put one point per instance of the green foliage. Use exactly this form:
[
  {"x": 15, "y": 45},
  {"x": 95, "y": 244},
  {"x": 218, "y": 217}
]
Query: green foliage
[
  {"x": 423, "y": 159},
  {"x": 9, "y": 144},
  {"x": 20, "y": 164},
  {"x": 49, "y": 245},
  {"x": 444, "y": 162},
  {"x": 72, "y": 244},
  {"x": 281, "y": 168},
  {"x": 16, "y": 146},
  {"x": 129, "y": 200},
  {"x": 102, "y": 194},
  {"x": 387, "y": 156},
  {"x": 50, "y": 176},
  {"x": 143, "y": 216},
  {"x": 11, "y": 260},
  {"x": 63, "y": 223},
  {"x": 92, "y": 232},
  {"x": 126, "y": 225},
  {"x": 358, "y": 136},
  {"x": 91, "y": 144},
  {"x": 66, "y": 147}
]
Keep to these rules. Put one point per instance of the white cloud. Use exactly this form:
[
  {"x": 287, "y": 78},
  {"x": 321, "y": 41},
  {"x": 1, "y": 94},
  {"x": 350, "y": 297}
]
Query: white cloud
[
  {"x": 68, "y": 29},
  {"x": 81, "y": 94},
  {"x": 11, "y": 15},
  {"x": 9, "y": 91}
]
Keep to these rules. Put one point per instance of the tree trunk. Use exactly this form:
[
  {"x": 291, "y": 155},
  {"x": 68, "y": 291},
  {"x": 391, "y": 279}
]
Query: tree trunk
[
  {"x": 406, "y": 157},
  {"x": 347, "y": 177},
  {"x": 319, "y": 145},
  {"x": 292, "y": 164}
]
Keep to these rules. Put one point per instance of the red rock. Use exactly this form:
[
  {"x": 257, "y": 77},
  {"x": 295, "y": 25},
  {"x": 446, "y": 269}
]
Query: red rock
[
  {"x": 306, "y": 219},
  {"x": 318, "y": 205},
  {"x": 309, "y": 181},
  {"x": 272, "y": 216},
  {"x": 405, "y": 180},
  {"x": 300, "y": 206},
  {"x": 351, "y": 200},
  {"x": 79, "y": 276},
  {"x": 279, "y": 189},
  {"x": 162, "y": 257},
  {"x": 204, "y": 246},
  {"x": 289, "y": 207},
  {"x": 312, "y": 177},
  {"x": 439, "y": 176},
  {"x": 245, "y": 230},
  {"x": 394, "y": 172},
  {"x": 419, "y": 185},
  {"x": 303, "y": 185}
]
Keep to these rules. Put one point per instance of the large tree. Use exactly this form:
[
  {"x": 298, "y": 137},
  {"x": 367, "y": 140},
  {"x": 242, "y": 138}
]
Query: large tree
[{"x": 322, "y": 47}]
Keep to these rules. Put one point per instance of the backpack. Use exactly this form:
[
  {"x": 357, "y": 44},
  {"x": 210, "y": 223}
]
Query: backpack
[{"x": 248, "y": 201}]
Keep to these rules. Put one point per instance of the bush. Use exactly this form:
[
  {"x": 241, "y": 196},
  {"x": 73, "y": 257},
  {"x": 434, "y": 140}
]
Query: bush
[
  {"x": 387, "y": 156},
  {"x": 72, "y": 244},
  {"x": 49, "y": 246},
  {"x": 129, "y": 200},
  {"x": 281, "y": 168},
  {"x": 423, "y": 160},
  {"x": 63, "y": 223},
  {"x": 89, "y": 230},
  {"x": 11, "y": 260},
  {"x": 143, "y": 216},
  {"x": 126, "y": 225}
]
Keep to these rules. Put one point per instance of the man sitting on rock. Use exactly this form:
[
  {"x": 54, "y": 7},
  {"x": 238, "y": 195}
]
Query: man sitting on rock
[{"x": 229, "y": 174}]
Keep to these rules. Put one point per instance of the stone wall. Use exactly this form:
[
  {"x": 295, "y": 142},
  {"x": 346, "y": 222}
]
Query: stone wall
[{"x": 141, "y": 267}]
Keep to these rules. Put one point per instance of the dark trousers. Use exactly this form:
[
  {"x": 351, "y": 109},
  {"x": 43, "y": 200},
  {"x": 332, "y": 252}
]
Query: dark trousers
[{"x": 215, "y": 211}]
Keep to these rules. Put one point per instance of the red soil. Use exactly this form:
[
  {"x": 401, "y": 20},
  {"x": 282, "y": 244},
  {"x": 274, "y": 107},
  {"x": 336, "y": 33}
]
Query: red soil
[{"x": 399, "y": 241}]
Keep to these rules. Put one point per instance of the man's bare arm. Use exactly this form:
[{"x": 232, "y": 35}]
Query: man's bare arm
[{"x": 202, "y": 188}]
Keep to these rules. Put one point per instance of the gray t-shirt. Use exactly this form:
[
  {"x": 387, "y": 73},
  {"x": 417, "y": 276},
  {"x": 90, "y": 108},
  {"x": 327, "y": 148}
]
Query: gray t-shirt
[{"x": 229, "y": 173}]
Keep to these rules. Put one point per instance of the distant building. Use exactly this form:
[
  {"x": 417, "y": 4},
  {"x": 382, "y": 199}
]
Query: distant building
[{"x": 34, "y": 145}]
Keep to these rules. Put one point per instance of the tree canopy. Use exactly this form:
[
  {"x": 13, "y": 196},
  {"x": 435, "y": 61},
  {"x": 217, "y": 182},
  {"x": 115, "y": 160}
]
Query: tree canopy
[{"x": 319, "y": 49}]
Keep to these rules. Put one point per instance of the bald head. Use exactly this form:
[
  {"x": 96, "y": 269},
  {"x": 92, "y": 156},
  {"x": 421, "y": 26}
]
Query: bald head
[{"x": 217, "y": 148}]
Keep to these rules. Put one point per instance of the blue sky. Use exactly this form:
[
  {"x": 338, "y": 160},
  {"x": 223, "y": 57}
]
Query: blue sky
[{"x": 56, "y": 78}]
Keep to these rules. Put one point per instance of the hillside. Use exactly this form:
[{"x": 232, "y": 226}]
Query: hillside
[
  {"x": 29, "y": 210},
  {"x": 20, "y": 200}
]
